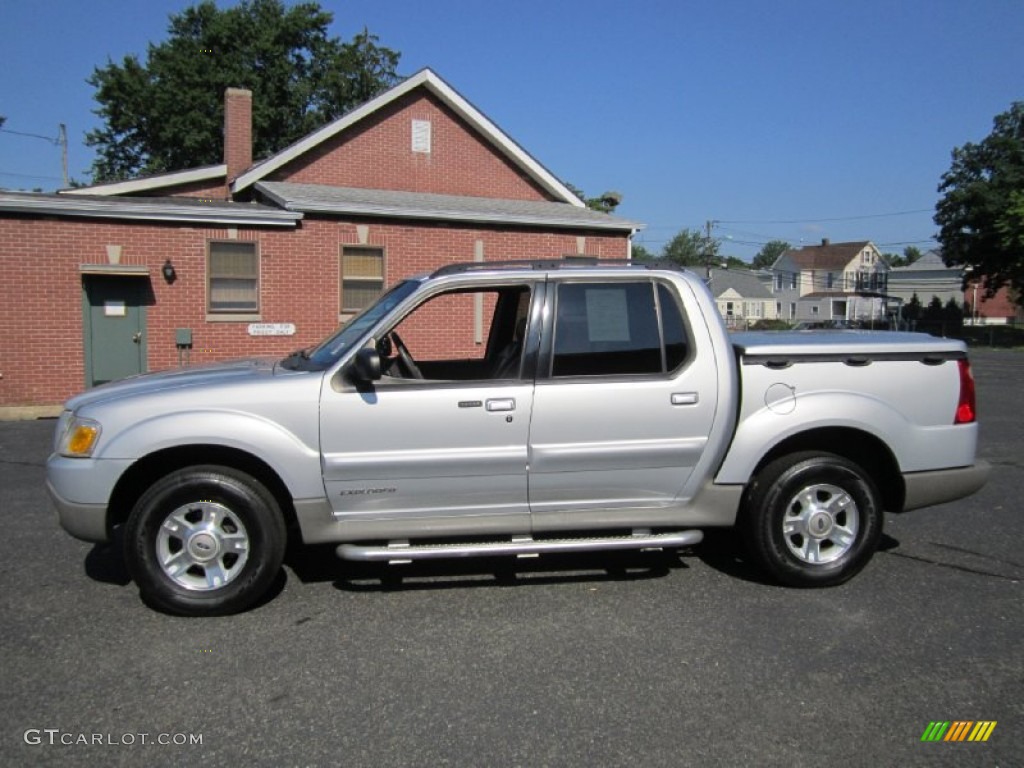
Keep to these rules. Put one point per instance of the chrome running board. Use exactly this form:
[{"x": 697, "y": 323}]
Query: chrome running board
[{"x": 404, "y": 551}]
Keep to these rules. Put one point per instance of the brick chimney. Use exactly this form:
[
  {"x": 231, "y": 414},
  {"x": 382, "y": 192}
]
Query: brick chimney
[{"x": 237, "y": 132}]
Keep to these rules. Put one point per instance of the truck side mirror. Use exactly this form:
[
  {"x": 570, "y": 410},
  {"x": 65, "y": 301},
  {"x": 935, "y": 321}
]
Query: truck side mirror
[{"x": 366, "y": 366}]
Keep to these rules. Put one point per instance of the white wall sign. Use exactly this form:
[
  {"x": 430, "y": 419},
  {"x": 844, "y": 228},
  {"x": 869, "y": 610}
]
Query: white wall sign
[
  {"x": 114, "y": 309},
  {"x": 271, "y": 329}
]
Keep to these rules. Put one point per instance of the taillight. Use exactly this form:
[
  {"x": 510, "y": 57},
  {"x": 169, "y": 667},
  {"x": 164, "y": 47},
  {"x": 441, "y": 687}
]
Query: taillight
[{"x": 966, "y": 412}]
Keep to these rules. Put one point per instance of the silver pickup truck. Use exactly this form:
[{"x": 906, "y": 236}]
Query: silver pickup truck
[{"x": 519, "y": 409}]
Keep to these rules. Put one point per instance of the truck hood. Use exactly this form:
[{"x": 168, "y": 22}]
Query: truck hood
[{"x": 175, "y": 378}]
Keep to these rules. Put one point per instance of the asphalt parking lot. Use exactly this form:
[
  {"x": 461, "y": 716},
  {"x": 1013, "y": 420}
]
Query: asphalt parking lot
[{"x": 648, "y": 659}]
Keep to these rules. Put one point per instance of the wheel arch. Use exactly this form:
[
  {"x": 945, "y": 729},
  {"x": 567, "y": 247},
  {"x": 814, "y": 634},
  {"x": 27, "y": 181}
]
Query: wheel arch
[
  {"x": 147, "y": 470},
  {"x": 865, "y": 450}
]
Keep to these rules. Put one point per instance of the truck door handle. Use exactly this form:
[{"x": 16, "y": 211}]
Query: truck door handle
[
  {"x": 684, "y": 398},
  {"x": 503, "y": 404}
]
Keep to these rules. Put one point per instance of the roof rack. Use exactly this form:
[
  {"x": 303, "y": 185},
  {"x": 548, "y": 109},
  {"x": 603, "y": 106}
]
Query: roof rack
[{"x": 547, "y": 264}]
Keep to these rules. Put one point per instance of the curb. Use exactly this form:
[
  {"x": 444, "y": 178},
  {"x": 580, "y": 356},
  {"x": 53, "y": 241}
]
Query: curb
[{"x": 29, "y": 412}]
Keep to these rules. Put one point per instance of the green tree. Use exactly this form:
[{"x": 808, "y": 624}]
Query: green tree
[
  {"x": 168, "y": 113},
  {"x": 605, "y": 203},
  {"x": 910, "y": 255},
  {"x": 689, "y": 249},
  {"x": 642, "y": 254},
  {"x": 769, "y": 254},
  {"x": 953, "y": 317},
  {"x": 912, "y": 309},
  {"x": 934, "y": 313},
  {"x": 981, "y": 213}
]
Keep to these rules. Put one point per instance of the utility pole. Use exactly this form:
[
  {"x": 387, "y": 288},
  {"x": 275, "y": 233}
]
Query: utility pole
[
  {"x": 62, "y": 139},
  {"x": 708, "y": 226}
]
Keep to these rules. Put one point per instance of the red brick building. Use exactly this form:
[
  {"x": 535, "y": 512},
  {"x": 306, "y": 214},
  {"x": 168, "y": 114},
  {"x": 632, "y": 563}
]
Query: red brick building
[
  {"x": 998, "y": 309},
  {"x": 244, "y": 259}
]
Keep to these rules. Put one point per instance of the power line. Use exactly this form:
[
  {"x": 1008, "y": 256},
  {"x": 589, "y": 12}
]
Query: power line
[
  {"x": 32, "y": 135},
  {"x": 820, "y": 221},
  {"x": 30, "y": 176},
  {"x": 61, "y": 141}
]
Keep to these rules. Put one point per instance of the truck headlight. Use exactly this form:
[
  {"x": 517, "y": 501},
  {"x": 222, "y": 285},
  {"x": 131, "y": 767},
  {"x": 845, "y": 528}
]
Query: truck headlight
[{"x": 79, "y": 438}]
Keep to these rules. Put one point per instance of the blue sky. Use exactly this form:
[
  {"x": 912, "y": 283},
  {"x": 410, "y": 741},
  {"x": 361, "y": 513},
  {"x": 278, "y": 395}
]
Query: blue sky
[{"x": 794, "y": 120}]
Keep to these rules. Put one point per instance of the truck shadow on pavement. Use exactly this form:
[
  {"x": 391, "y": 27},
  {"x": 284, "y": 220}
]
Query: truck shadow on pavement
[
  {"x": 721, "y": 550},
  {"x": 320, "y": 564}
]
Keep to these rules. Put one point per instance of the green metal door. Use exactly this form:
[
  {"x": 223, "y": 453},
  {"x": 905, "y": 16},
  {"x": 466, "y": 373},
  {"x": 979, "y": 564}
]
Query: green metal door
[{"x": 115, "y": 327}]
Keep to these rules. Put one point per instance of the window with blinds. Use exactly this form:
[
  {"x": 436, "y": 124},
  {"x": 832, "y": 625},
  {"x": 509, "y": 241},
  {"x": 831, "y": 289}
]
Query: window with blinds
[
  {"x": 362, "y": 276},
  {"x": 233, "y": 277}
]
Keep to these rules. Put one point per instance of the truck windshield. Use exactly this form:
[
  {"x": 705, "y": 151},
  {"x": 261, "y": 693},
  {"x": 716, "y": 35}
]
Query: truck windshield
[{"x": 327, "y": 352}]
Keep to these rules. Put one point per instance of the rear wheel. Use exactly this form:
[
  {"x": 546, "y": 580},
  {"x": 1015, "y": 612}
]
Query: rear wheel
[
  {"x": 205, "y": 541},
  {"x": 812, "y": 519}
]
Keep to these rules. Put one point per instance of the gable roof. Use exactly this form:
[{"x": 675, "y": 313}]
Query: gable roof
[
  {"x": 155, "y": 182},
  {"x": 317, "y": 198},
  {"x": 745, "y": 283},
  {"x": 427, "y": 79},
  {"x": 833, "y": 256},
  {"x": 931, "y": 261}
]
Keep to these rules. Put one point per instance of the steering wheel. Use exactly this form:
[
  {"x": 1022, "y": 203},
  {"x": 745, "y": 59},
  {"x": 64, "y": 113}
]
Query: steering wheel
[{"x": 405, "y": 360}]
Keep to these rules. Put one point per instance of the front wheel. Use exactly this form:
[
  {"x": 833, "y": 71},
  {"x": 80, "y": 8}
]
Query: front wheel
[
  {"x": 812, "y": 519},
  {"x": 205, "y": 541}
]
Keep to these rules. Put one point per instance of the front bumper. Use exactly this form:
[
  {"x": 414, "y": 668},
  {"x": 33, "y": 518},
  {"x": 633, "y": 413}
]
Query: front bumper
[
  {"x": 80, "y": 489},
  {"x": 925, "y": 489},
  {"x": 87, "y": 522}
]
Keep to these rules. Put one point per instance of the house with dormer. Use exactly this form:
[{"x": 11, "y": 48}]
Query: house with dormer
[
  {"x": 259, "y": 257},
  {"x": 831, "y": 282}
]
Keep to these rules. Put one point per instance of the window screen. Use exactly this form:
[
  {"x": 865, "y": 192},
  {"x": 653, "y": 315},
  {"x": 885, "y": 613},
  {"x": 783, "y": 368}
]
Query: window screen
[
  {"x": 234, "y": 276},
  {"x": 362, "y": 276}
]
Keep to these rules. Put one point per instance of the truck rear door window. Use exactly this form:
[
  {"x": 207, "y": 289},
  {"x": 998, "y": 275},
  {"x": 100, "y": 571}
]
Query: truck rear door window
[{"x": 607, "y": 329}]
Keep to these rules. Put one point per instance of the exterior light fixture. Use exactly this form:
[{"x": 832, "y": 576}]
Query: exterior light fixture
[{"x": 168, "y": 272}]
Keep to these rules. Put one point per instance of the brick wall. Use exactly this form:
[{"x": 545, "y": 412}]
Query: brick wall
[
  {"x": 377, "y": 154},
  {"x": 1000, "y": 306},
  {"x": 42, "y": 350}
]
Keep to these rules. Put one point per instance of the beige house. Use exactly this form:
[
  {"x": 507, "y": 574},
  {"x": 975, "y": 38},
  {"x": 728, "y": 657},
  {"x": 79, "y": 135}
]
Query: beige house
[
  {"x": 844, "y": 282},
  {"x": 742, "y": 297}
]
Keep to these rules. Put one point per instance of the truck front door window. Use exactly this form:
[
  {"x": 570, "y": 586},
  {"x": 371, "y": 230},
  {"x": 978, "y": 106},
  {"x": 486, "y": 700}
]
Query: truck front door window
[{"x": 460, "y": 336}]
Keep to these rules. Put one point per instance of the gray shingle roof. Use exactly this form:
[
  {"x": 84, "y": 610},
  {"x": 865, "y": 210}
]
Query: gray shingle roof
[
  {"x": 747, "y": 284},
  {"x": 316, "y": 198},
  {"x": 182, "y": 209}
]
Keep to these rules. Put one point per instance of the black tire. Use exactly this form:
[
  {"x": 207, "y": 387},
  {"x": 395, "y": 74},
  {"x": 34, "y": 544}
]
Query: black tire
[
  {"x": 205, "y": 541},
  {"x": 812, "y": 519}
]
